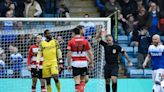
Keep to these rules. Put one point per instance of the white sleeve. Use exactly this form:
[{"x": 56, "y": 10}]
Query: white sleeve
[
  {"x": 39, "y": 10},
  {"x": 149, "y": 49}
]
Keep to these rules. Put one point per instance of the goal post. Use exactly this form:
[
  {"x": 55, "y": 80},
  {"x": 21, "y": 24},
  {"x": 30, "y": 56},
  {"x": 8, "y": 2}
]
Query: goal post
[{"x": 17, "y": 34}]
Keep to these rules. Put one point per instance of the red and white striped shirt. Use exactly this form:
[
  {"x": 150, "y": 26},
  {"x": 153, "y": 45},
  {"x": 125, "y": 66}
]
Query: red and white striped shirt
[
  {"x": 32, "y": 57},
  {"x": 79, "y": 47}
]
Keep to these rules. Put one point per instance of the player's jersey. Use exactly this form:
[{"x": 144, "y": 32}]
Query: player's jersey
[
  {"x": 79, "y": 47},
  {"x": 157, "y": 56},
  {"x": 49, "y": 50},
  {"x": 32, "y": 57}
]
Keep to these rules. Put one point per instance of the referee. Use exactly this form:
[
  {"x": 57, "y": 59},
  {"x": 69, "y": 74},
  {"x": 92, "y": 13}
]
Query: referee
[{"x": 111, "y": 56}]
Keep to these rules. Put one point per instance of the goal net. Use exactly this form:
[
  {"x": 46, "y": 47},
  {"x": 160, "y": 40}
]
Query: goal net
[{"x": 18, "y": 34}]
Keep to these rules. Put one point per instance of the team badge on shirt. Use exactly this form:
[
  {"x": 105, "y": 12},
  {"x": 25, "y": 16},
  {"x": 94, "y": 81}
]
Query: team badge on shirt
[{"x": 114, "y": 51}]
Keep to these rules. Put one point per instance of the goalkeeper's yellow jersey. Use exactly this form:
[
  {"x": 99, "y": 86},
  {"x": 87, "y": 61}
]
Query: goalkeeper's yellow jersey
[{"x": 49, "y": 52}]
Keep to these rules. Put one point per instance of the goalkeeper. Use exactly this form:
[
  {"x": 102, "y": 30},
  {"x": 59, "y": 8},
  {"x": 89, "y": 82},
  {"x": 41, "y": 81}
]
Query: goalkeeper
[{"x": 50, "y": 51}]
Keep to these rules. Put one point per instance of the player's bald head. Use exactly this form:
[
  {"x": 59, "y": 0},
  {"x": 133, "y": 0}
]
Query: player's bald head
[
  {"x": 156, "y": 39},
  {"x": 156, "y": 36}
]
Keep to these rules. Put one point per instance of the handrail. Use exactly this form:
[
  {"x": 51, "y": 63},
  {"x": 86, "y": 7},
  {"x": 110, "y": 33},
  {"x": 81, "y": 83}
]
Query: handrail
[{"x": 115, "y": 14}]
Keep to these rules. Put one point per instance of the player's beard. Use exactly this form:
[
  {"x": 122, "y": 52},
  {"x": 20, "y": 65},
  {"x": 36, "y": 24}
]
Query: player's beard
[{"x": 49, "y": 38}]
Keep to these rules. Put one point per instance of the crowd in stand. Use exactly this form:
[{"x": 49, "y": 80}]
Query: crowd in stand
[
  {"x": 138, "y": 19},
  {"x": 135, "y": 14},
  {"x": 32, "y": 8}
]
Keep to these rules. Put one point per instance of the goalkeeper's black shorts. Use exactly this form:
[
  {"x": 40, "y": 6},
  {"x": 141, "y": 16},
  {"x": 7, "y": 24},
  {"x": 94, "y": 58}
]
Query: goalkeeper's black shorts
[{"x": 36, "y": 73}]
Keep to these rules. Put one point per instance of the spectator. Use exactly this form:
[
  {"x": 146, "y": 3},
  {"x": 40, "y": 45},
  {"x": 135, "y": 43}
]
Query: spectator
[
  {"x": 144, "y": 42},
  {"x": 19, "y": 8},
  {"x": 128, "y": 7},
  {"x": 12, "y": 9},
  {"x": 60, "y": 40},
  {"x": 16, "y": 61},
  {"x": 89, "y": 27},
  {"x": 7, "y": 34},
  {"x": 101, "y": 7},
  {"x": 131, "y": 24},
  {"x": 32, "y": 9},
  {"x": 161, "y": 4},
  {"x": 2, "y": 69},
  {"x": 111, "y": 6},
  {"x": 63, "y": 11},
  {"x": 19, "y": 25},
  {"x": 161, "y": 26},
  {"x": 153, "y": 18},
  {"x": 2, "y": 54},
  {"x": 4, "y": 7},
  {"x": 30, "y": 40},
  {"x": 2, "y": 63},
  {"x": 43, "y": 6},
  {"x": 141, "y": 17},
  {"x": 21, "y": 44},
  {"x": 134, "y": 38},
  {"x": 139, "y": 4}
]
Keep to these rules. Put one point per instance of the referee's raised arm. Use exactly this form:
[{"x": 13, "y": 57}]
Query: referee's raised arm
[
  {"x": 98, "y": 36},
  {"x": 99, "y": 39}
]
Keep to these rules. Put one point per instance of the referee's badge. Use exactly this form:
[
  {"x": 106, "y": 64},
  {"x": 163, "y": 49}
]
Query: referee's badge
[{"x": 114, "y": 51}]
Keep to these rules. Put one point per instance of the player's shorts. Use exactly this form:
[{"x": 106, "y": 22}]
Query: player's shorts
[
  {"x": 36, "y": 73},
  {"x": 50, "y": 70},
  {"x": 80, "y": 71},
  {"x": 157, "y": 75},
  {"x": 110, "y": 70},
  {"x": 157, "y": 78}
]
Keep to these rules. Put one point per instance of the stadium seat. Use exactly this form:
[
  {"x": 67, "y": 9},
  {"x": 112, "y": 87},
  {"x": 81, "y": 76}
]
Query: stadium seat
[
  {"x": 123, "y": 40},
  {"x": 128, "y": 49},
  {"x": 123, "y": 45},
  {"x": 67, "y": 74},
  {"x": 136, "y": 73},
  {"x": 128, "y": 69},
  {"x": 9, "y": 73},
  {"x": 134, "y": 61},
  {"x": 147, "y": 73},
  {"x": 25, "y": 73}
]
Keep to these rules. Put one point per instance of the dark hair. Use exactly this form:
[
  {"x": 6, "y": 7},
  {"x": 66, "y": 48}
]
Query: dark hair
[
  {"x": 86, "y": 15},
  {"x": 80, "y": 27},
  {"x": 46, "y": 31},
  {"x": 76, "y": 31},
  {"x": 108, "y": 35},
  {"x": 62, "y": 6}
]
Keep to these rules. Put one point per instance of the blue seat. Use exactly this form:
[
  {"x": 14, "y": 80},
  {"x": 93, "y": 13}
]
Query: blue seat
[
  {"x": 25, "y": 73},
  {"x": 134, "y": 61},
  {"x": 147, "y": 73},
  {"x": 123, "y": 40},
  {"x": 123, "y": 45},
  {"x": 66, "y": 74},
  {"x": 136, "y": 73}
]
